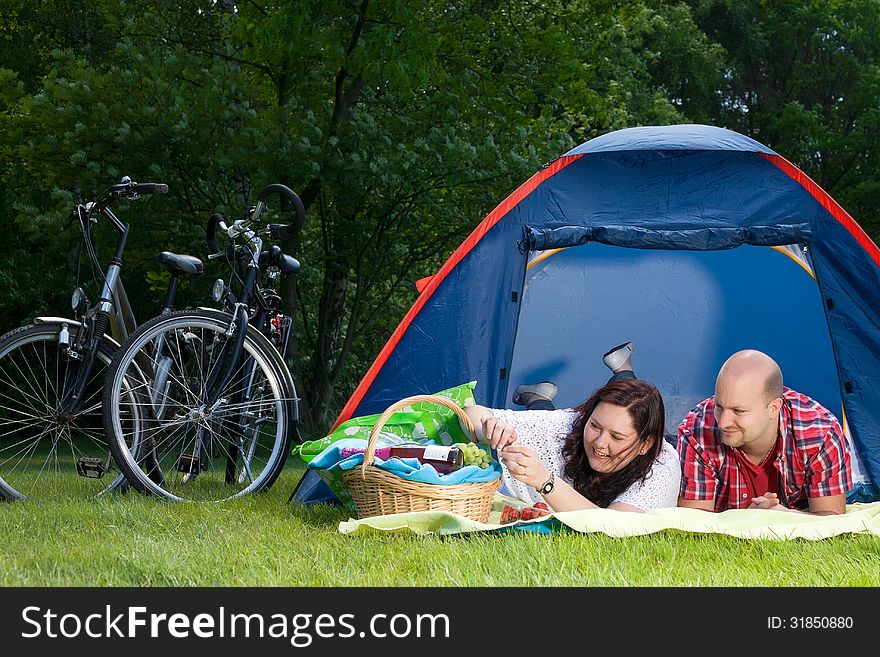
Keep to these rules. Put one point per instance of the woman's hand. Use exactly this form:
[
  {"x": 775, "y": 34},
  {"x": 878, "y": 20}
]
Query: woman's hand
[
  {"x": 498, "y": 433},
  {"x": 524, "y": 465},
  {"x": 490, "y": 429}
]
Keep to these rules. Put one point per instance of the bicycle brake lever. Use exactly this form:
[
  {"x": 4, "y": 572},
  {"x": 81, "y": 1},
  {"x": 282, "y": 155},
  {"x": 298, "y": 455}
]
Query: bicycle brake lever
[
  {"x": 280, "y": 231},
  {"x": 71, "y": 217}
]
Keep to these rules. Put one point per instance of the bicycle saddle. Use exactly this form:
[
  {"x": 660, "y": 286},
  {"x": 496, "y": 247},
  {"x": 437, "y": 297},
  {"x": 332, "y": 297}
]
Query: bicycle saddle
[
  {"x": 181, "y": 264},
  {"x": 288, "y": 264}
]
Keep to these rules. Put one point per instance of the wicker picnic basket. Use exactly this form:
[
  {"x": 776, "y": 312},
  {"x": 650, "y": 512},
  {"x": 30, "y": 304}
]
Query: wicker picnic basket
[{"x": 377, "y": 493}]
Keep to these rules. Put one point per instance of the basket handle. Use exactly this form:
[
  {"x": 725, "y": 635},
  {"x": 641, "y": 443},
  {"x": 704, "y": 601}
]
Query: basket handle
[{"x": 466, "y": 423}]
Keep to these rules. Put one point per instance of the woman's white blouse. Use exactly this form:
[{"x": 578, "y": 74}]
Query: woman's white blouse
[{"x": 545, "y": 432}]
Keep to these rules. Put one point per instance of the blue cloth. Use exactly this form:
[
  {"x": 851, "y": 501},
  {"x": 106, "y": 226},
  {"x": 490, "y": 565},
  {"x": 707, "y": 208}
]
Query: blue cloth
[
  {"x": 862, "y": 492},
  {"x": 409, "y": 469}
]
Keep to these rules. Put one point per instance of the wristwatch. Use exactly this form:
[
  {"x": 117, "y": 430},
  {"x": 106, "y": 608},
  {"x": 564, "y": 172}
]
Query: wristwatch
[{"x": 547, "y": 488}]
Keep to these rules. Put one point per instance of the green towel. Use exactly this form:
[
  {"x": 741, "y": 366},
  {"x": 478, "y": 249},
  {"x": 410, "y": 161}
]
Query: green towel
[{"x": 743, "y": 523}]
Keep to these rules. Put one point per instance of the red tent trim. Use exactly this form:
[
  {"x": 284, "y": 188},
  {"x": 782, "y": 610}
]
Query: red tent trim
[
  {"x": 422, "y": 283},
  {"x": 828, "y": 203},
  {"x": 433, "y": 282}
]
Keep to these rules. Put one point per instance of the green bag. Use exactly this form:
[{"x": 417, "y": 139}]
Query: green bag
[{"x": 426, "y": 422}]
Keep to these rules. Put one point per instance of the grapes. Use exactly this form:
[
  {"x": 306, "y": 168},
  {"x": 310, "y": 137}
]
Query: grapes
[{"x": 475, "y": 455}]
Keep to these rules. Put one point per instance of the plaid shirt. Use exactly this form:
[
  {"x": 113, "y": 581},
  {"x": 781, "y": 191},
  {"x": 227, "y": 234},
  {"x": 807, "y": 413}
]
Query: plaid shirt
[{"x": 813, "y": 460}]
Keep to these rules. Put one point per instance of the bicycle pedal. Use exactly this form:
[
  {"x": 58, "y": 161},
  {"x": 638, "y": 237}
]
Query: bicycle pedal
[
  {"x": 91, "y": 467},
  {"x": 188, "y": 464}
]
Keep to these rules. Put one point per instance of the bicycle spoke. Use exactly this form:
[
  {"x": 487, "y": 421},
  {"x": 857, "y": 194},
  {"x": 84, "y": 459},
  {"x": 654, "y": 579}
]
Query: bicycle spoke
[
  {"x": 220, "y": 439},
  {"x": 40, "y": 449},
  {"x": 57, "y": 365},
  {"x": 33, "y": 377},
  {"x": 52, "y": 456},
  {"x": 95, "y": 438},
  {"x": 216, "y": 362},
  {"x": 21, "y": 413},
  {"x": 180, "y": 367},
  {"x": 17, "y": 387},
  {"x": 177, "y": 429},
  {"x": 34, "y": 441},
  {"x": 18, "y": 429},
  {"x": 33, "y": 451}
]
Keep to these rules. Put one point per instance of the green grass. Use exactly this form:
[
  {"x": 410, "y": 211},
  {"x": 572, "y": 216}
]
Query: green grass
[{"x": 131, "y": 540}]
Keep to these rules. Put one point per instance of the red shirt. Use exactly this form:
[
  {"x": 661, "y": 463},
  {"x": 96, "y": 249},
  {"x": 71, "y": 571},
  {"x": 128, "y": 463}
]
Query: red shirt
[
  {"x": 813, "y": 460},
  {"x": 760, "y": 477}
]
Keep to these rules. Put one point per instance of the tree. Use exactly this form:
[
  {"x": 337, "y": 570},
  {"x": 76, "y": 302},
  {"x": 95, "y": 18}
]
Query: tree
[
  {"x": 803, "y": 78},
  {"x": 426, "y": 115},
  {"x": 401, "y": 124}
]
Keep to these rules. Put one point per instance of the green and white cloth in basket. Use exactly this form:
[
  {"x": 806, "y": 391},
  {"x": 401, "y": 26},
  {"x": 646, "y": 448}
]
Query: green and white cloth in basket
[{"x": 422, "y": 422}]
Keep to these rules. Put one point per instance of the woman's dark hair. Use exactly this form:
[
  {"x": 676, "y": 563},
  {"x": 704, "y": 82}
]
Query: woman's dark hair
[{"x": 645, "y": 407}]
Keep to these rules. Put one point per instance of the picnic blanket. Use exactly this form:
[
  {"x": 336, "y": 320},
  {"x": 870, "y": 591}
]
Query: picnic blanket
[{"x": 743, "y": 523}]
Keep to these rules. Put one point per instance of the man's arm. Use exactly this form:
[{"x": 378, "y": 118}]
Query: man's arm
[
  {"x": 831, "y": 505},
  {"x": 703, "y": 505},
  {"x": 829, "y": 474},
  {"x": 698, "y": 478}
]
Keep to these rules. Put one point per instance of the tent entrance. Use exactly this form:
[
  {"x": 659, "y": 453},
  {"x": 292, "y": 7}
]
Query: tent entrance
[{"x": 686, "y": 311}]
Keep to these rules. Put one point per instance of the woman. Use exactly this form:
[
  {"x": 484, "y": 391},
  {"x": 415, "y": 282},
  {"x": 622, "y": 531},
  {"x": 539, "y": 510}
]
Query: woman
[{"x": 609, "y": 452}]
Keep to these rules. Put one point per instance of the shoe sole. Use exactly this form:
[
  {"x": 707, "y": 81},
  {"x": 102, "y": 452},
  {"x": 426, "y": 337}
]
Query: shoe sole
[{"x": 518, "y": 400}]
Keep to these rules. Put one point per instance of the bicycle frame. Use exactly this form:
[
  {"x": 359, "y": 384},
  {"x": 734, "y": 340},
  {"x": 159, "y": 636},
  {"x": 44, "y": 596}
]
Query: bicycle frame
[
  {"x": 84, "y": 351},
  {"x": 112, "y": 310},
  {"x": 249, "y": 294}
]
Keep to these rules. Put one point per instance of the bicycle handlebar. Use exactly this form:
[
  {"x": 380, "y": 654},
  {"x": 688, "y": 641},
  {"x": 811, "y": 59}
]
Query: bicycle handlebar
[
  {"x": 132, "y": 189},
  {"x": 150, "y": 188},
  {"x": 211, "y": 233},
  {"x": 277, "y": 231},
  {"x": 290, "y": 195}
]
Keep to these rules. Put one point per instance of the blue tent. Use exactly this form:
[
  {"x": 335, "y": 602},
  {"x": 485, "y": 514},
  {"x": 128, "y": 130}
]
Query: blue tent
[{"x": 690, "y": 240}]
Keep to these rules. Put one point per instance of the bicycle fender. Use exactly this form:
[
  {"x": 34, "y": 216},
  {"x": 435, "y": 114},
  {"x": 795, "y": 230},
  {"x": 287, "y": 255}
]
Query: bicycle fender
[{"x": 71, "y": 322}]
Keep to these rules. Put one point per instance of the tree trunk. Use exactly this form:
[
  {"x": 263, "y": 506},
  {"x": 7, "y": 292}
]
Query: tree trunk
[{"x": 331, "y": 313}]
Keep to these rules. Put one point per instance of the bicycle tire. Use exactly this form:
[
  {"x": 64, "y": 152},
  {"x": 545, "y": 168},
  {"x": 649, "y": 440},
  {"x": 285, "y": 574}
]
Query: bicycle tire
[
  {"x": 40, "y": 451},
  {"x": 187, "y": 451}
]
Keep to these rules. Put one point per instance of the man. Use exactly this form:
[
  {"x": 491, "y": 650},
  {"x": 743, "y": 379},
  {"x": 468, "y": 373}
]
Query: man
[{"x": 757, "y": 444}]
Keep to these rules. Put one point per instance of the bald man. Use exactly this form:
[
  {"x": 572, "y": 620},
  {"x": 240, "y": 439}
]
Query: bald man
[{"x": 759, "y": 445}]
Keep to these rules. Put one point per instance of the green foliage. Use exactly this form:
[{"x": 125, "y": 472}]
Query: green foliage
[
  {"x": 803, "y": 78},
  {"x": 400, "y": 124}
]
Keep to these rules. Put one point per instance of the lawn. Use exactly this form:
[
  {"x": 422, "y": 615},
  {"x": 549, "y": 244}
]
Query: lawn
[{"x": 131, "y": 540}]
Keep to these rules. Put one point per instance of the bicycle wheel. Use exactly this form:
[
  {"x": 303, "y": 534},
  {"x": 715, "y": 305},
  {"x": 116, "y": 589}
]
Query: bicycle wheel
[
  {"x": 198, "y": 442},
  {"x": 44, "y": 452}
]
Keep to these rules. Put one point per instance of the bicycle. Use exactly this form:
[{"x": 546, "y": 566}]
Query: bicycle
[
  {"x": 218, "y": 401},
  {"x": 52, "y": 373}
]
